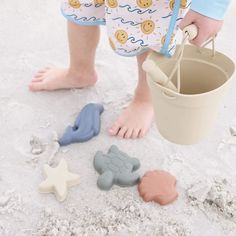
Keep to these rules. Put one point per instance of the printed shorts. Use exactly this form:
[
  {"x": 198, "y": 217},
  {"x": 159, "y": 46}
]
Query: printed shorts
[{"x": 133, "y": 26}]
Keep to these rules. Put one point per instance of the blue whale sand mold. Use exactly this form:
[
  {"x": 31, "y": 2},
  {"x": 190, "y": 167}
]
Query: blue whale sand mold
[{"x": 86, "y": 126}]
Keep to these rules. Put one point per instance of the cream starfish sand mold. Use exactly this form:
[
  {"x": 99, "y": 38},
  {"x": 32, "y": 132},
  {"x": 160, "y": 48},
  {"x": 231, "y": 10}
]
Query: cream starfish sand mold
[{"x": 58, "y": 180}]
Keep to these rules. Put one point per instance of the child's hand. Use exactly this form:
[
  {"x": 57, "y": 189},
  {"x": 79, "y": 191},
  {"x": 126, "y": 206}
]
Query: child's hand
[{"x": 207, "y": 27}]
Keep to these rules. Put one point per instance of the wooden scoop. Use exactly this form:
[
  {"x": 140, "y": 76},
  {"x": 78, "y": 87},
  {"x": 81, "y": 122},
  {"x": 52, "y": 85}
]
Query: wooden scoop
[
  {"x": 155, "y": 72},
  {"x": 158, "y": 76}
]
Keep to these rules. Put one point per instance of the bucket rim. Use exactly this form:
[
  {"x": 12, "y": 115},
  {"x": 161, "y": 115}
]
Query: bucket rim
[
  {"x": 176, "y": 94},
  {"x": 163, "y": 60},
  {"x": 185, "y": 57}
]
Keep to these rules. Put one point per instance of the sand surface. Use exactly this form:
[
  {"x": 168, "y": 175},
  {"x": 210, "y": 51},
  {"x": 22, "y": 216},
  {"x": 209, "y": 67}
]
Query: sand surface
[{"x": 33, "y": 35}]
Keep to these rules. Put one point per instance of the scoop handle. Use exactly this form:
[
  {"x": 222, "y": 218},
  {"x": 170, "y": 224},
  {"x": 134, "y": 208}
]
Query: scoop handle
[{"x": 191, "y": 31}]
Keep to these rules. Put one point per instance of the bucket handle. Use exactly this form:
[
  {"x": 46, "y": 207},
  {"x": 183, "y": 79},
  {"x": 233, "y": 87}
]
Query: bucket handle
[
  {"x": 189, "y": 33},
  {"x": 170, "y": 97}
]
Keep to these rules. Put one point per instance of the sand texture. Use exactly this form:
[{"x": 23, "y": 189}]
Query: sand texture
[{"x": 33, "y": 35}]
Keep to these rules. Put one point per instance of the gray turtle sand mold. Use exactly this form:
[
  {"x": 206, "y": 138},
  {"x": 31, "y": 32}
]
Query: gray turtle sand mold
[{"x": 115, "y": 167}]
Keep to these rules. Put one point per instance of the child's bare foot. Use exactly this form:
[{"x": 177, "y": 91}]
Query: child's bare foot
[
  {"x": 57, "y": 78},
  {"x": 135, "y": 120}
]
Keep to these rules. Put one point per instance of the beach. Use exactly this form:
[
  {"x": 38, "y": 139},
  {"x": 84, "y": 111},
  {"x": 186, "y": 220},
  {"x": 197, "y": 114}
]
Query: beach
[{"x": 33, "y": 35}]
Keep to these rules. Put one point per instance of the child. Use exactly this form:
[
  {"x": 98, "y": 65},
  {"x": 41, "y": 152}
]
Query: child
[{"x": 134, "y": 27}]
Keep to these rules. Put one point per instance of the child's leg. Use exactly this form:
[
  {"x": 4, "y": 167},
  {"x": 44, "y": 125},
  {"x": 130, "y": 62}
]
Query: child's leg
[
  {"x": 83, "y": 41},
  {"x": 136, "y": 119}
]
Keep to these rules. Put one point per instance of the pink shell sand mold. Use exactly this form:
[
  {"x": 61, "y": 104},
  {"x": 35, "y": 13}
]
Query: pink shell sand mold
[{"x": 158, "y": 186}]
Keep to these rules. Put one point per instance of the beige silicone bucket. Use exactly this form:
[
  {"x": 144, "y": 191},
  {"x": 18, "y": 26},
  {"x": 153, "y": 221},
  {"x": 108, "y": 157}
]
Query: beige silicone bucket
[{"x": 201, "y": 76}]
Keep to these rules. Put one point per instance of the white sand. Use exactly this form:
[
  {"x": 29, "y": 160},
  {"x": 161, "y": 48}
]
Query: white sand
[{"x": 33, "y": 35}]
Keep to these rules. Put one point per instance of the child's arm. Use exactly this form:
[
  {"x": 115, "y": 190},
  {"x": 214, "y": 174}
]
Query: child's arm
[
  {"x": 214, "y": 9},
  {"x": 208, "y": 16}
]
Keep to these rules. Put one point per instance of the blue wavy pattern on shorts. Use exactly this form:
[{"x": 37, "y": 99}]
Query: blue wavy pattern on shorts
[
  {"x": 124, "y": 50},
  {"x": 139, "y": 41},
  {"x": 132, "y": 53},
  {"x": 126, "y": 22},
  {"x": 172, "y": 48},
  {"x": 139, "y": 11},
  {"x": 84, "y": 19},
  {"x": 169, "y": 15},
  {"x": 88, "y": 4},
  {"x": 129, "y": 52},
  {"x": 99, "y": 5},
  {"x": 188, "y": 5},
  {"x": 180, "y": 18}
]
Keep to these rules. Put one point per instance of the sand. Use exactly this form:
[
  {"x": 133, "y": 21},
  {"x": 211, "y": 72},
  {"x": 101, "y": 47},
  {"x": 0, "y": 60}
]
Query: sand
[{"x": 33, "y": 35}]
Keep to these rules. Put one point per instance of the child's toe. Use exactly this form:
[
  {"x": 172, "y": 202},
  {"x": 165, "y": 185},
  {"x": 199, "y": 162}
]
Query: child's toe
[
  {"x": 114, "y": 129},
  {"x": 36, "y": 86},
  {"x": 37, "y": 79},
  {"x": 122, "y": 132},
  {"x": 128, "y": 134},
  {"x": 135, "y": 133},
  {"x": 142, "y": 133}
]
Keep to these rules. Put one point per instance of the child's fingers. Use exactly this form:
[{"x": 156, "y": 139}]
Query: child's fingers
[
  {"x": 190, "y": 18},
  {"x": 207, "y": 27},
  {"x": 187, "y": 20},
  {"x": 202, "y": 37},
  {"x": 199, "y": 40}
]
